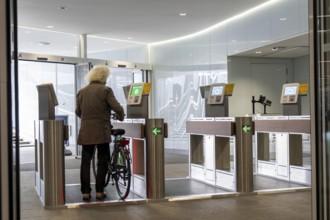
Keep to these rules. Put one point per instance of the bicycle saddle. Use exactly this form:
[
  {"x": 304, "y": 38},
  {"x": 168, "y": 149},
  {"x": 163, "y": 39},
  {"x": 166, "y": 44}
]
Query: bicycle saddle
[{"x": 117, "y": 132}]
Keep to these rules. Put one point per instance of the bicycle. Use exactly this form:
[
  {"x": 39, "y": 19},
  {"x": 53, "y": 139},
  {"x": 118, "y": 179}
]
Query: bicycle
[{"x": 119, "y": 163}]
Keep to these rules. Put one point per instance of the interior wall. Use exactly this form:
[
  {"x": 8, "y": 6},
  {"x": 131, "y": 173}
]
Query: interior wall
[
  {"x": 301, "y": 75},
  {"x": 241, "y": 73}
]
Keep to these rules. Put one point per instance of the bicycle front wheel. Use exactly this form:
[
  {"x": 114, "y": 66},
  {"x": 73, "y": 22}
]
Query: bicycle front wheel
[{"x": 122, "y": 173}]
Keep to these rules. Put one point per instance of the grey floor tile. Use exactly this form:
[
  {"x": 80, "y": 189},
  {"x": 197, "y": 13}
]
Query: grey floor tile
[{"x": 283, "y": 206}]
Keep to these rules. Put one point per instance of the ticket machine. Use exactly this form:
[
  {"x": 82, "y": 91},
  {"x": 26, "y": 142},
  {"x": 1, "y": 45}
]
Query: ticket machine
[
  {"x": 146, "y": 142},
  {"x": 216, "y": 99},
  {"x": 49, "y": 150},
  {"x": 137, "y": 96},
  {"x": 291, "y": 98}
]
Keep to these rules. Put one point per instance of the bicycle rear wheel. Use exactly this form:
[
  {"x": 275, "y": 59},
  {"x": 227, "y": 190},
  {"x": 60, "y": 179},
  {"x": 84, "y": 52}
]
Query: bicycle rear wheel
[
  {"x": 122, "y": 173},
  {"x": 94, "y": 166}
]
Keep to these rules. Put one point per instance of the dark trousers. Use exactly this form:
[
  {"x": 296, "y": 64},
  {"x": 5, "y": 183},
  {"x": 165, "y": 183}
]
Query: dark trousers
[{"x": 103, "y": 153}]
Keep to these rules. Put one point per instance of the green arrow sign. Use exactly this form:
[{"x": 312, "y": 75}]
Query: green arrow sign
[
  {"x": 246, "y": 128},
  {"x": 156, "y": 131}
]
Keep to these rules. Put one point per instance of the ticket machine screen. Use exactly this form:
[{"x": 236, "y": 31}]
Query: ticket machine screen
[
  {"x": 136, "y": 90},
  {"x": 290, "y": 90},
  {"x": 135, "y": 94},
  {"x": 217, "y": 94},
  {"x": 290, "y": 93},
  {"x": 217, "y": 90},
  {"x": 50, "y": 88}
]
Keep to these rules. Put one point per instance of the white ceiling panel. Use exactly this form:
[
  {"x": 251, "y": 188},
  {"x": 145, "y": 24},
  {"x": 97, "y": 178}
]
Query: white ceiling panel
[{"x": 144, "y": 20}]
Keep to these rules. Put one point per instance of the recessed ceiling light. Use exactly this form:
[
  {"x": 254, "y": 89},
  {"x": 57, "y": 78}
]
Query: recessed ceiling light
[
  {"x": 130, "y": 38},
  {"x": 43, "y": 43},
  {"x": 50, "y": 26},
  {"x": 258, "y": 51},
  {"x": 282, "y": 19},
  {"x": 183, "y": 14},
  {"x": 62, "y": 8}
]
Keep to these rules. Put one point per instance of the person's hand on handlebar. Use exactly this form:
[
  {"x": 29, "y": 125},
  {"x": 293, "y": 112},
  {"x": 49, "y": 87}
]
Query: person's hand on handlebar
[{"x": 117, "y": 117}]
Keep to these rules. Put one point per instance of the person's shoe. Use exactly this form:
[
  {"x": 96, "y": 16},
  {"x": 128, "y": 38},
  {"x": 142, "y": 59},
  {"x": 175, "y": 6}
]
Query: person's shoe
[
  {"x": 101, "y": 195},
  {"x": 87, "y": 196}
]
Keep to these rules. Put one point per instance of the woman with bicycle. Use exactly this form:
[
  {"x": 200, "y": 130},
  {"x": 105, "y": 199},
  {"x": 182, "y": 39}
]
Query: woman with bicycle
[{"x": 94, "y": 104}]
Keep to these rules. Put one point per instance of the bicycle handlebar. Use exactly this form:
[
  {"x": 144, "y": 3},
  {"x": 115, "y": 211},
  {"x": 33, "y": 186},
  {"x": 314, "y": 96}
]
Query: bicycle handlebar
[{"x": 114, "y": 116}]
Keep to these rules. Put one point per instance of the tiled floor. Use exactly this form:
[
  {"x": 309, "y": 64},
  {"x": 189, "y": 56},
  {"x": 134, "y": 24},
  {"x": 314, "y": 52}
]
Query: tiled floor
[{"x": 294, "y": 205}]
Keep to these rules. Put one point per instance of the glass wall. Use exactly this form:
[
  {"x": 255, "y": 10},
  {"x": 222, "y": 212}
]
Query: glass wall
[
  {"x": 34, "y": 73},
  {"x": 180, "y": 67},
  {"x": 119, "y": 78}
]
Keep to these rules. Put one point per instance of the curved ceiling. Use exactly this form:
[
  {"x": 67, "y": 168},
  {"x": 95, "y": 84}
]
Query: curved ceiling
[{"x": 144, "y": 21}]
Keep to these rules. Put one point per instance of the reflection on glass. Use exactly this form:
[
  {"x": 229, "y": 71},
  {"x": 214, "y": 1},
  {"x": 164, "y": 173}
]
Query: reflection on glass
[{"x": 34, "y": 73}]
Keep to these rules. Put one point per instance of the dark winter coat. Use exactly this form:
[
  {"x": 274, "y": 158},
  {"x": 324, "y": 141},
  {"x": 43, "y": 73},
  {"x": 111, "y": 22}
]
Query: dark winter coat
[{"x": 93, "y": 106}]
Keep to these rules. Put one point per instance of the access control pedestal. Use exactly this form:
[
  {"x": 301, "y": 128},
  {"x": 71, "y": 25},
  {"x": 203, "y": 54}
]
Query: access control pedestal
[
  {"x": 49, "y": 162},
  {"x": 49, "y": 150},
  {"x": 147, "y": 143},
  {"x": 283, "y": 148},
  {"x": 282, "y": 142},
  {"x": 216, "y": 100},
  {"x": 147, "y": 151}
]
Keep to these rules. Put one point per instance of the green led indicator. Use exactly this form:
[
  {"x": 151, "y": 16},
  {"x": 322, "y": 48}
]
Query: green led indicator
[
  {"x": 246, "y": 128},
  {"x": 156, "y": 131}
]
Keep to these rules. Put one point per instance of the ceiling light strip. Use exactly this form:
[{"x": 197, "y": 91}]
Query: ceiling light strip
[
  {"x": 38, "y": 29},
  {"x": 250, "y": 11}
]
